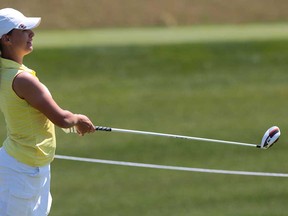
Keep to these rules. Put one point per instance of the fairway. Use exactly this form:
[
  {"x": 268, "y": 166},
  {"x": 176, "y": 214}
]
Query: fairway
[
  {"x": 156, "y": 35},
  {"x": 217, "y": 82}
]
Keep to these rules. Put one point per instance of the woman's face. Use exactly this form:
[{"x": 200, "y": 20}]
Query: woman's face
[{"x": 21, "y": 41}]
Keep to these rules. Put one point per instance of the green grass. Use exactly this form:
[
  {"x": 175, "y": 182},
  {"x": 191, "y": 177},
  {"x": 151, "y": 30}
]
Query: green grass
[
  {"x": 158, "y": 35},
  {"x": 223, "y": 90}
]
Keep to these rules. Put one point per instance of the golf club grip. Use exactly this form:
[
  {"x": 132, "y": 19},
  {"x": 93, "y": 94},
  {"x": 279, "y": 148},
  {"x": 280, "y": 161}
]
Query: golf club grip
[{"x": 101, "y": 128}]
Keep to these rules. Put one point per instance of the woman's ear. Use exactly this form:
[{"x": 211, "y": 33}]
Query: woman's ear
[{"x": 5, "y": 39}]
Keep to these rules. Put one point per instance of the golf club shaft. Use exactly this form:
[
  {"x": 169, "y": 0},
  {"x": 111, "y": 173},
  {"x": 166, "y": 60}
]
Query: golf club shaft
[{"x": 109, "y": 129}]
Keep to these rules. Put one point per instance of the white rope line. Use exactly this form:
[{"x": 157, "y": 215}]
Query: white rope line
[{"x": 187, "y": 169}]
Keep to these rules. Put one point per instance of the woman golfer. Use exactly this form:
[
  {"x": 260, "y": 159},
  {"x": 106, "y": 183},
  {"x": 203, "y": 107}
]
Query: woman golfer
[{"x": 30, "y": 115}]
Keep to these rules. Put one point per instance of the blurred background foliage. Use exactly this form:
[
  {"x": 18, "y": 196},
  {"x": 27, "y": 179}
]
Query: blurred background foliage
[{"x": 76, "y": 14}]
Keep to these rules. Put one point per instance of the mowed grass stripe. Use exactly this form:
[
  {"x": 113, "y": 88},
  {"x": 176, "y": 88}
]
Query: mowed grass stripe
[{"x": 157, "y": 35}]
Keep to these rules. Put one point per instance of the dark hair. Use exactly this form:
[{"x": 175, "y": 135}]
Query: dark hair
[
  {"x": 9, "y": 33},
  {"x": 0, "y": 47}
]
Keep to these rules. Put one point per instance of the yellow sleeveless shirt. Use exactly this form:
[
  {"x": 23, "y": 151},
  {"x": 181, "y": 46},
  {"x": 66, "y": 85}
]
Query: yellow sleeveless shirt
[{"x": 30, "y": 135}]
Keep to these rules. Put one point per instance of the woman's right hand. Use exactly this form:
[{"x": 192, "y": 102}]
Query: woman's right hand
[{"x": 84, "y": 125}]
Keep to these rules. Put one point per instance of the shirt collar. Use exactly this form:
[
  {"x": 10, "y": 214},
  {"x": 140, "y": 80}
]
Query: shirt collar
[
  {"x": 6, "y": 63},
  {"x": 9, "y": 64}
]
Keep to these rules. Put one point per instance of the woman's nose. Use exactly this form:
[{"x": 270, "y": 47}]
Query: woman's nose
[{"x": 31, "y": 33}]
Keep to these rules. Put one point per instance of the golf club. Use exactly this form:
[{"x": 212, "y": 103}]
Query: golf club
[{"x": 270, "y": 137}]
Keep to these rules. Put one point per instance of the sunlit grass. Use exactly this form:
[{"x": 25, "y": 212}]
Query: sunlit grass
[{"x": 168, "y": 35}]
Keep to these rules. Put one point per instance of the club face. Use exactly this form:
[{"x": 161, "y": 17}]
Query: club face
[{"x": 270, "y": 137}]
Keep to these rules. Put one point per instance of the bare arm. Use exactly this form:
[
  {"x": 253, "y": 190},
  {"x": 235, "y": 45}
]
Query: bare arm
[{"x": 34, "y": 92}]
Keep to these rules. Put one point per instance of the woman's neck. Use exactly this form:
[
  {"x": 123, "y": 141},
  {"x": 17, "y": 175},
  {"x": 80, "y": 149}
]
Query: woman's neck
[{"x": 11, "y": 56}]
